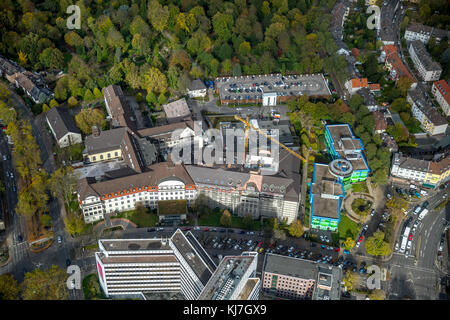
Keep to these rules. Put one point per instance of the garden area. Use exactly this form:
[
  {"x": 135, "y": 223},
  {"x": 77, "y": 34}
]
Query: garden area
[
  {"x": 212, "y": 219},
  {"x": 361, "y": 206},
  {"x": 91, "y": 288},
  {"x": 360, "y": 187},
  {"x": 141, "y": 217},
  {"x": 348, "y": 228}
]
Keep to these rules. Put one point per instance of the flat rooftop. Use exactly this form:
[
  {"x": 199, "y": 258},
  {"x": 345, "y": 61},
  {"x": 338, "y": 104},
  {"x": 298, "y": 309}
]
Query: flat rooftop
[
  {"x": 117, "y": 245},
  {"x": 139, "y": 259},
  {"x": 226, "y": 278},
  {"x": 253, "y": 87},
  {"x": 289, "y": 266},
  {"x": 191, "y": 256},
  {"x": 328, "y": 284},
  {"x": 325, "y": 186}
]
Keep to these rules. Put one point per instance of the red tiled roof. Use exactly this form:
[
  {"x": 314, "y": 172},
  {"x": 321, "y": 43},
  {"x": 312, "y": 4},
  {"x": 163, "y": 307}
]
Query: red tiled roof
[
  {"x": 374, "y": 87},
  {"x": 444, "y": 89},
  {"x": 359, "y": 83}
]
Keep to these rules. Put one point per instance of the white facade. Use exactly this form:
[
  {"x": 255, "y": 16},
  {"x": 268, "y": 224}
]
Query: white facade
[
  {"x": 94, "y": 208},
  {"x": 426, "y": 73},
  {"x": 270, "y": 99},
  {"x": 441, "y": 99},
  {"x": 197, "y": 93},
  {"x": 69, "y": 139},
  {"x": 412, "y": 36}
]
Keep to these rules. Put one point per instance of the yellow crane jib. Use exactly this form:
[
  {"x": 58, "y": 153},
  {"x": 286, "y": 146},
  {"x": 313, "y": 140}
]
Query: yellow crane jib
[{"x": 248, "y": 125}]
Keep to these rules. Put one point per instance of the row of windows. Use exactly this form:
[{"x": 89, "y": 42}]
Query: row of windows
[{"x": 116, "y": 154}]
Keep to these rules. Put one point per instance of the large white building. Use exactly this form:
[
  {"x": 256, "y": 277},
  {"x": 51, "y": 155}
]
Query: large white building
[
  {"x": 417, "y": 31},
  {"x": 428, "y": 69},
  {"x": 132, "y": 267}
]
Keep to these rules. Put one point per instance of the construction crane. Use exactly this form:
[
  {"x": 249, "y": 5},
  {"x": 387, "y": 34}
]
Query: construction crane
[{"x": 248, "y": 125}]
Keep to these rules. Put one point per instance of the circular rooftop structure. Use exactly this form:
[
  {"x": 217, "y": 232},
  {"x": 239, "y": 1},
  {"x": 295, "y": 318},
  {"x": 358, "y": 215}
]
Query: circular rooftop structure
[{"x": 340, "y": 168}]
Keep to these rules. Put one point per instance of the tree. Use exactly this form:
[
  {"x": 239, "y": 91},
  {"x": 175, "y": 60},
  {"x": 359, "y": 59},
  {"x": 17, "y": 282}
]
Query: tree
[
  {"x": 88, "y": 96},
  {"x": 355, "y": 102},
  {"x": 52, "y": 58},
  {"x": 23, "y": 58},
  {"x": 296, "y": 229},
  {"x": 74, "y": 224},
  {"x": 46, "y": 220},
  {"x": 161, "y": 99},
  {"x": 248, "y": 221},
  {"x": 73, "y": 39},
  {"x": 47, "y": 284},
  {"x": 225, "y": 220},
  {"x": 349, "y": 243},
  {"x": 73, "y": 102},
  {"x": 244, "y": 48},
  {"x": 380, "y": 176},
  {"x": 377, "y": 294},
  {"x": 97, "y": 93},
  {"x": 158, "y": 15},
  {"x": 222, "y": 25},
  {"x": 351, "y": 280},
  {"x": 403, "y": 84},
  {"x": 63, "y": 183},
  {"x": 376, "y": 246},
  {"x": 9, "y": 288},
  {"x": 154, "y": 81},
  {"x": 87, "y": 118},
  {"x": 150, "y": 98}
]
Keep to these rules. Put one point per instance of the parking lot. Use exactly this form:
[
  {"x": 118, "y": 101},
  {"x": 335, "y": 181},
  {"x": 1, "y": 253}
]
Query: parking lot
[{"x": 253, "y": 87}]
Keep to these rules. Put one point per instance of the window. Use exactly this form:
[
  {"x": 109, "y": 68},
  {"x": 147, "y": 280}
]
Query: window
[
  {"x": 94, "y": 158},
  {"x": 109, "y": 155},
  {"x": 101, "y": 157},
  {"x": 116, "y": 154}
]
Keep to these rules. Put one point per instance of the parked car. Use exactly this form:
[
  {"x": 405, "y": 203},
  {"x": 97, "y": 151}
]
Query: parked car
[
  {"x": 372, "y": 212},
  {"x": 59, "y": 239},
  {"x": 19, "y": 238},
  {"x": 425, "y": 204},
  {"x": 67, "y": 262},
  {"x": 346, "y": 251},
  {"x": 241, "y": 232}
]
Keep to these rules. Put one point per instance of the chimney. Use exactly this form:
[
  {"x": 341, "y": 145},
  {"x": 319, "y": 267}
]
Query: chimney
[{"x": 95, "y": 131}]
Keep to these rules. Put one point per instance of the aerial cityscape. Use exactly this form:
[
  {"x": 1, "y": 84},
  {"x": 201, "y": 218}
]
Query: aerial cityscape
[{"x": 224, "y": 150}]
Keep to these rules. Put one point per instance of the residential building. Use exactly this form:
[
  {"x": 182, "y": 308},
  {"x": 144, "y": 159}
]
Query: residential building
[
  {"x": 131, "y": 267},
  {"x": 374, "y": 88},
  {"x": 118, "y": 108},
  {"x": 386, "y": 31},
  {"x": 423, "y": 110},
  {"x": 299, "y": 279},
  {"x": 353, "y": 85},
  {"x": 393, "y": 63},
  {"x": 33, "y": 85},
  {"x": 427, "y": 172},
  {"x": 380, "y": 122},
  {"x": 326, "y": 195},
  {"x": 417, "y": 31},
  {"x": 63, "y": 127},
  {"x": 389, "y": 142},
  {"x": 9, "y": 69},
  {"x": 342, "y": 144},
  {"x": 441, "y": 92},
  {"x": 234, "y": 279},
  {"x": 196, "y": 89},
  {"x": 428, "y": 69},
  {"x": 368, "y": 99},
  {"x": 177, "y": 111}
]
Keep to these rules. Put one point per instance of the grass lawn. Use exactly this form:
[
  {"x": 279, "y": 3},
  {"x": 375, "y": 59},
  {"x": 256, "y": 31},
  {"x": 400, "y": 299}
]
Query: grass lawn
[
  {"x": 213, "y": 219},
  {"x": 360, "y": 187},
  {"x": 142, "y": 220},
  {"x": 91, "y": 288},
  {"x": 348, "y": 228},
  {"x": 168, "y": 207}
]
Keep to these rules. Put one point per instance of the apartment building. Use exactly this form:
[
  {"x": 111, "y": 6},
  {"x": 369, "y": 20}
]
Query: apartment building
[
  {"x": 234, "y": 279},
  {"x": 423, "y": 110},
  {"x": 441, "y": 92},
  {"x": 131, "y": 267},
  {"x": 428, "y": 69},
  {"x": 394, "y": 64},
  {"x": 417, "y": 31},
  {"x": 299, "y": 279},
  {"x": 196, "y": 89},
  {"x": 427, "y": 172}
]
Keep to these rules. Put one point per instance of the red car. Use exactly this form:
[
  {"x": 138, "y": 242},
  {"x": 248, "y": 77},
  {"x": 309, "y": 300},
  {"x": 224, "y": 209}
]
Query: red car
[
  {"x": 360, "y": 239},
  {"x": 259, "y": 244},
  {"x": 337, "y": 249},
  {"x": 410, "y": 236},
  {"x": 206, "y": 229}
]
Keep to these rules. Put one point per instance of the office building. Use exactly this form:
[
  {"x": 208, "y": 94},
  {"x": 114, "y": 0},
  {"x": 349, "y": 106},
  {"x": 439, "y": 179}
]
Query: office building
[
  {"x": 132, "y": 267},
  {"x": 234, "y": 279},
  {"x": 417, "y": 31}
]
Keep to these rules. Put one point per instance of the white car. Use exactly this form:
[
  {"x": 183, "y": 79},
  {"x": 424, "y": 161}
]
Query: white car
[
  {"x": 357, "y": 244},
  {"x": 406, "y": 253},
  {"x": 397, "y": 247}
]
